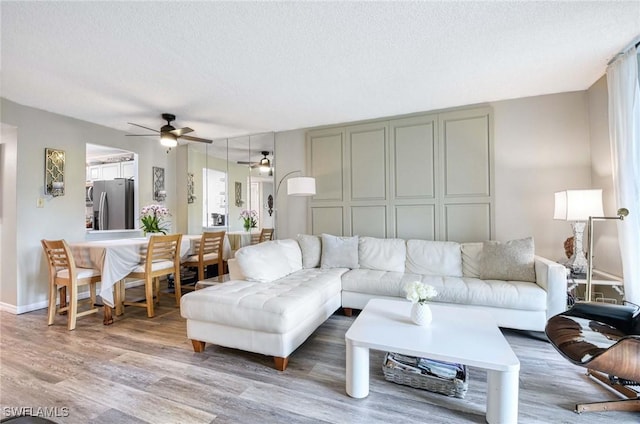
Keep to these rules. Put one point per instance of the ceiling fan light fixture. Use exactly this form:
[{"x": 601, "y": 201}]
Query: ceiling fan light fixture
[
  {"x": 265, "y": 163},
  {"x": 168, "y": 140}
]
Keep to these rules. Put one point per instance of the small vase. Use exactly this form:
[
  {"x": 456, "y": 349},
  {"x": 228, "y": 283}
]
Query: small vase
[{"x": 421, "y": 314}]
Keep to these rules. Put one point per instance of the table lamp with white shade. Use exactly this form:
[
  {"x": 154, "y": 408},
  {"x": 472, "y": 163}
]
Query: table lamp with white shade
[{"x": 577, "y": 206}]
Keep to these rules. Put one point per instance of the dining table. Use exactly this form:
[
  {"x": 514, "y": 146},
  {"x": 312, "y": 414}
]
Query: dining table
[
  {"x": 238, "y": 239},
  {"x": 115, "y": 259}
]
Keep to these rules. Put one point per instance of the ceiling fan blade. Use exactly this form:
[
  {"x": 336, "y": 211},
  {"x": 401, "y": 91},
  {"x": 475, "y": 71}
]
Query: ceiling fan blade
[
  {"x": 146, "y": 128},
  {"x": 202, "y": 140},
  {"x": 179, "y": 132}
]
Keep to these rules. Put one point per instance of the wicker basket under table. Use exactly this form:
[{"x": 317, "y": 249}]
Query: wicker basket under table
[{"x": 402, "y": 369}]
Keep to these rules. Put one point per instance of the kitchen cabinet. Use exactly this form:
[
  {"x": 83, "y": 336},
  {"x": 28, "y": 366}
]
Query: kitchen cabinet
[
  {"x": 110, "y": 171},
  {"x": 128, "y": 169}
]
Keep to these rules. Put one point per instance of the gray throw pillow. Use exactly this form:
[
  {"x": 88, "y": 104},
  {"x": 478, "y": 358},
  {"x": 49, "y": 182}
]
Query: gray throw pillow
[
  {"x": 513, "y": 260},
  {"x": 311, "y": 248},
  {"x": 339, "y": 252}
]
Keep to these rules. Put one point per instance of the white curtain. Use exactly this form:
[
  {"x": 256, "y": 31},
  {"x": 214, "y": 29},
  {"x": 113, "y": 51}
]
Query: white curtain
[{"x": 624, "y": 131}]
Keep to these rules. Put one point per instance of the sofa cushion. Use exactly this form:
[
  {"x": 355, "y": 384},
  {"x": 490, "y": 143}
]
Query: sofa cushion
[
  {"x": 274, "y": 307},
  {"x": 268, "y": 261},
  {"x": 434, "y": 258},
  {"x": 495, "y": 293},
  {"x": 471, "y": 259},
  {"x": 377, "y": 282},
  {"x": 382, "y": 254},
  {"x": 513, "y": 260},
  {"x": 457, "y": 290},
  {"x": 311, "y": 247},
  {"x": 339, "y": 252}
]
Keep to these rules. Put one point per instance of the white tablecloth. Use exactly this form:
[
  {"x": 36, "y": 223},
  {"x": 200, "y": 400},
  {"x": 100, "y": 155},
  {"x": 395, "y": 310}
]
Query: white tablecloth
[{"x": 117, "y": 258}]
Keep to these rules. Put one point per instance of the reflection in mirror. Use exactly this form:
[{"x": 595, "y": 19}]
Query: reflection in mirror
[
  {"x": 207, "y": 173},
  {"x": 246, "y": 185},
  {"x": 255, "y": 160}
]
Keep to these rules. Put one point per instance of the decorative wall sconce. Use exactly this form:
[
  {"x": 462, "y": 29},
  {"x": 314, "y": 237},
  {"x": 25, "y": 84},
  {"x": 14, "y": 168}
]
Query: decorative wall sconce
[
  {"x": 190, "y": 188},
  {"x": 270, "y": 205},
  {"x": 159, "y": 193},
  {"x": 54, "y": 172},
  {"x": 239, "y": 201}
]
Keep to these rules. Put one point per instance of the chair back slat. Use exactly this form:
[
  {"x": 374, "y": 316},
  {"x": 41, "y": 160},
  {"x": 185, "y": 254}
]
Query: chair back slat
[
  {"x": 58, "y": 255},
  {"x": 163, "y": 248},
  {"x": 211, "y": 242},
  {"x": 265, "y": 235}
]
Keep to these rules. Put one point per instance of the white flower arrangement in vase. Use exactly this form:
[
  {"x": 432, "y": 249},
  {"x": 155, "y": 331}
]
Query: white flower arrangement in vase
[{"x": 420, "y": 293}]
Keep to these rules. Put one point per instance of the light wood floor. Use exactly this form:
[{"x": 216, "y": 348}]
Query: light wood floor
[{"x": 142, "y": 370}]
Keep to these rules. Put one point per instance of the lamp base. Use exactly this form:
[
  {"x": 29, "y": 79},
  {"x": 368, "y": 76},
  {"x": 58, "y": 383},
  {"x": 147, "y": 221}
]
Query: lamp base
[{"x": 578, "y": 261}]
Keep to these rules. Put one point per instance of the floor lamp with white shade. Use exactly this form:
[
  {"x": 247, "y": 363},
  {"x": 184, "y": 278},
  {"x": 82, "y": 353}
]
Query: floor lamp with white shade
[{"x": 297, "y": 186}]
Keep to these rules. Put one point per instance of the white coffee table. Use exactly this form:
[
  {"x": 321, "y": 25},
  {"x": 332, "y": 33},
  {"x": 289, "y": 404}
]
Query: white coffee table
[{"x": 457, "y": 334}]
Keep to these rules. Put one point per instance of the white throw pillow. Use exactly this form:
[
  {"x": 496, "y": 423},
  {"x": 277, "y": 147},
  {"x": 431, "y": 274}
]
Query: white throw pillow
[
  {"x": 291, "y": 249},
  {"x": 263, "y": 262},
  {"x": 428, "y": 257},
  {"x": 311, "y": 247},
  {"x": 471, "y": 259},
  {"x": 512, "y": 261},
  {"x": 339, "y": 252},
  {"x": 382, "y": 254}
]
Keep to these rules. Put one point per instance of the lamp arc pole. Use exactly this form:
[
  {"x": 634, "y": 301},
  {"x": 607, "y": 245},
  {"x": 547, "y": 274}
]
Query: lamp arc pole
[{"x": 282, "y": 180}]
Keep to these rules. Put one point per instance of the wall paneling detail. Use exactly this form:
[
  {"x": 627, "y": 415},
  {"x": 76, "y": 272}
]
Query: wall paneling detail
[{"x": 426, "y": 176}]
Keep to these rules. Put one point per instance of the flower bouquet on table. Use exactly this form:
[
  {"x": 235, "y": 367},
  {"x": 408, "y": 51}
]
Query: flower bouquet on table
[
  {"x": 152, "y": 218},
  {"x": 250, "y": 219},
  {"x": 420, "y": 293}
]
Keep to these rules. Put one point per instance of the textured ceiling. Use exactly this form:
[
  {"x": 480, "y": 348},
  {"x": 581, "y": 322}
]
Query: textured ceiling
[{"x": 230, "y": 68}]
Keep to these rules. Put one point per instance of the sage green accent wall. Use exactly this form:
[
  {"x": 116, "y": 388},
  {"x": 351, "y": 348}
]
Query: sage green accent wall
[{"x": 427, "y": 176}]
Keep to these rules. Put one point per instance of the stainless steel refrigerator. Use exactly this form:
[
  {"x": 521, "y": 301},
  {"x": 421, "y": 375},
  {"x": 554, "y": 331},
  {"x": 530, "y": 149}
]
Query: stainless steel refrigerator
[{"x": 113, "y": 204}]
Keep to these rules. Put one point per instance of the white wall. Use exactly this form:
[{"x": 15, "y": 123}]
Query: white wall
[
  {"x": 61, "y": 217},
  {"x": 291, "y": 211},
  {"x": 8, "y": 233},
  {"x": 541, "y": 146}
]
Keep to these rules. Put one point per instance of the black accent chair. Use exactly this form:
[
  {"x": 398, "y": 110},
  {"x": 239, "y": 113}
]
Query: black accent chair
[{"x": 605, "y": 339}]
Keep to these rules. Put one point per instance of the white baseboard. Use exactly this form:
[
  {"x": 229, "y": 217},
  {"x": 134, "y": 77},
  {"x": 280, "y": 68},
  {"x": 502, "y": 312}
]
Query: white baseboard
[
  {"x": 5, "y": 307},
  {"x": 23, "y": 309}
]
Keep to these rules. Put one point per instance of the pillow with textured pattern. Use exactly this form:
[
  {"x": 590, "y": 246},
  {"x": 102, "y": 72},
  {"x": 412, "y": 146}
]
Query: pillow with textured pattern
[{"x": 512, "y": 260}]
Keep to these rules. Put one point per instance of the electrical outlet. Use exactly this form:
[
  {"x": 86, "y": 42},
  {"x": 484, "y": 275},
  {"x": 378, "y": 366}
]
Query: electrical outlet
[{"x": 40, "y": 202}]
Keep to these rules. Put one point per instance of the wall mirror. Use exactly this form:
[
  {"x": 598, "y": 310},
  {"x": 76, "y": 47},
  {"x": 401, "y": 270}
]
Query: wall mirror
[{"x": 227, "y": 179}]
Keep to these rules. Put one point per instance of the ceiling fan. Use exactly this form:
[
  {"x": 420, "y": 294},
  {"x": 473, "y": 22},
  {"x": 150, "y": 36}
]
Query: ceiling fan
[
  {"x": 264, "y": 164},
  {"x": 169, "y": 135}
]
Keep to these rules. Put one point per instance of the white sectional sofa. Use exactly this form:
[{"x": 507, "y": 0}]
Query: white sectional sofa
[{"x": 281, "y": 291}]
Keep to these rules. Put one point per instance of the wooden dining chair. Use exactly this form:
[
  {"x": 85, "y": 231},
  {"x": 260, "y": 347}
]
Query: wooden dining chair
[
  {"x": 163, "y": 258},
  {"x": 209, "y": 253},
  {"x": 65, "y": 276},
  {"x": 265, "y": 234}
]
